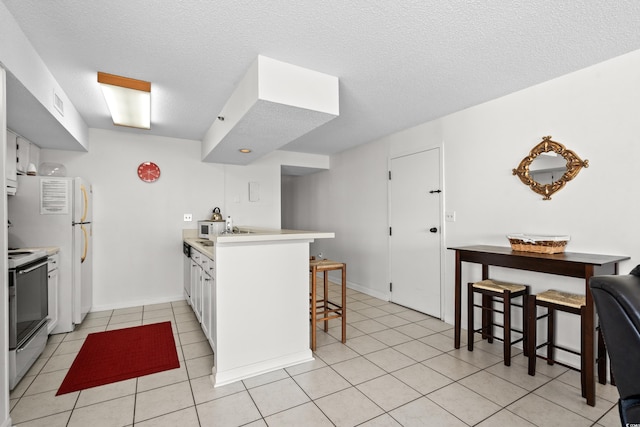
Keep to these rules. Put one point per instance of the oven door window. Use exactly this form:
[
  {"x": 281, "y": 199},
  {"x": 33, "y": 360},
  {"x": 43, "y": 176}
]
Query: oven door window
[{"x": 32, "y": 299}]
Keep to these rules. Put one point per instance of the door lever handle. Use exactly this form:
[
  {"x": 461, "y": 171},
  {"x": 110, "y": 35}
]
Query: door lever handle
[{"x": 433, "y": 230}]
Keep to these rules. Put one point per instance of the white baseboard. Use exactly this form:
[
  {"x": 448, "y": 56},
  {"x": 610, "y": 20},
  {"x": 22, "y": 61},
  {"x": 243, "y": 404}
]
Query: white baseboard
[
  {"x": 146, "y": 301},
  {"x": 368, "y": 291},
  {"x": 232, "y": 375}
]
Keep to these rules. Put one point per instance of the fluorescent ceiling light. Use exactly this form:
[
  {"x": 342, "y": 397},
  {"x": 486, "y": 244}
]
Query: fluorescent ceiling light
[{"x": 129, "y": 100}]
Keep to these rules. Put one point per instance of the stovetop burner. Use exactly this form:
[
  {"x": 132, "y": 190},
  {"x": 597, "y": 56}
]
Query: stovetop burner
[{"x": 19, "y": 257}]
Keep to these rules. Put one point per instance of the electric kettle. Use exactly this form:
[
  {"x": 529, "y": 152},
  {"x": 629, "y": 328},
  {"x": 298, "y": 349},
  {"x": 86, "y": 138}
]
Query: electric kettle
[{"x": 217, "y": 216}]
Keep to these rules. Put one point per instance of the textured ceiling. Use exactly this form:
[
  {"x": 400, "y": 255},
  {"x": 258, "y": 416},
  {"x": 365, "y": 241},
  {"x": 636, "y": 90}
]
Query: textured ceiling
[{"x": 400, "y": 63}]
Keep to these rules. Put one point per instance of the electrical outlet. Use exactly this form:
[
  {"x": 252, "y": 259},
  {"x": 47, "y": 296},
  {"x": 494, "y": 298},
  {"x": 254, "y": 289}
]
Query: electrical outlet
[
  {"x": 188, "y": 217},
  {"x": 320, "y": 255},
  {"x": 450, "y": 216}
]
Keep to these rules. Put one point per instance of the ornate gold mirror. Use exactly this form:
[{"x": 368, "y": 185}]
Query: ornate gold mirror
[{"x": 548, "y": 167}]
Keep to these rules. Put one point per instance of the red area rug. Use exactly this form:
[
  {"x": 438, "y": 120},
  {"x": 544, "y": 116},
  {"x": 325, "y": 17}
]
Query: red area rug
[{"x": 107, "y": 357}]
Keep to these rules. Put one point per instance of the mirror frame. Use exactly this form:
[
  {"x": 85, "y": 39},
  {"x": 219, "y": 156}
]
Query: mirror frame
[{"x": 574, "y": 164}]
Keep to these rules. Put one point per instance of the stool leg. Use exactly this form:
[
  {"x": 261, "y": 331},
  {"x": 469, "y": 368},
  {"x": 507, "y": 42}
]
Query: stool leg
[
  {"x": 325, "y": 298},
  {"x": 343, "y": 311},
  {"x": 551, "y": 337},
  {"x": 583, "y": 360},
  {"x": 487, "y": 318},
  {"x": 506, "y": 303},
  {"x": 470, "y": 322},
  {"x": 532, "y": 314},
  {"x": 314, "y": 271}
]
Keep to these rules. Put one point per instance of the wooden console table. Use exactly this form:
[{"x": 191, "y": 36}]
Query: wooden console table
[{"x": 578, "y": 265}]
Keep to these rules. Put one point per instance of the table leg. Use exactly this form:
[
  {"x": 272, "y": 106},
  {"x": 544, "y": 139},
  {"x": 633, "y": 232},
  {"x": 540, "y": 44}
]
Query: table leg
[
  {"x": 487, "y": 314},
  {"x": 601, "y": 357},
  {"x": 325, "y": 299},
  {"x": 589, "y": 342},
  {"x": 458, "y": 301}
]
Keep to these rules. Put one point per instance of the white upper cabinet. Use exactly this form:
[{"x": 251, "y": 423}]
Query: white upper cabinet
[
  {"x": 22, "y": 155},
  {"x": 10, "y": 163}
]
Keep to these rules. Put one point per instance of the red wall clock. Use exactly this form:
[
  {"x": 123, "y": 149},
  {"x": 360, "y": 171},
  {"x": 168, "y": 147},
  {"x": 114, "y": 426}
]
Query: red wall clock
[{"x": 148, "y": 172}]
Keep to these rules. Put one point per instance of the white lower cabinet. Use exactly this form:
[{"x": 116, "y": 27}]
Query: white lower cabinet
[
  {"x": 206, "y": 302},
  {"x": 52, "y": 290},
  {"x": 196, "y": 284},
  {"x": 209, "y": 302},
  {"x": 212, "y": 313},
  {"x": 203, "y": 293}
]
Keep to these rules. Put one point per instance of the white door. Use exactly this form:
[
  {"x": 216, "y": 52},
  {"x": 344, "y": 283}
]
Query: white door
[{"x": 415, "y": 235}]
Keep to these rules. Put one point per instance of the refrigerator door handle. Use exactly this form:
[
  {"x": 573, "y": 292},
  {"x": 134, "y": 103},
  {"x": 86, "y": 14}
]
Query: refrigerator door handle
[
  {"x": 85, "y": 204},
  {"x": 85, "y": 243}
]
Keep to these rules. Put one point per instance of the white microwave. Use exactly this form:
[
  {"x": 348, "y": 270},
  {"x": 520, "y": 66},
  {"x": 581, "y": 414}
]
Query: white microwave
[{"x": 207, "y": 229}]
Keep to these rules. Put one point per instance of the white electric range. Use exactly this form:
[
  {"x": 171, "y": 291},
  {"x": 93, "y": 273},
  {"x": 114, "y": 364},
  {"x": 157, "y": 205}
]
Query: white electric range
[{"x": 28, "y": 310}]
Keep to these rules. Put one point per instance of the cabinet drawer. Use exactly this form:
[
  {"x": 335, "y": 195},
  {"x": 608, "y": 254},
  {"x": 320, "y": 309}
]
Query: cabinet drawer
[{"x": 52, "y": 262}]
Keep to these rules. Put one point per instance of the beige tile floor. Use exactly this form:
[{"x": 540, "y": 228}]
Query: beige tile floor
[{"x": 398, "y": 368}]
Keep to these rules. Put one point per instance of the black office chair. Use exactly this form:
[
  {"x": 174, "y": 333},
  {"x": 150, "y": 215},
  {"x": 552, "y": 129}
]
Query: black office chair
[{"x": 617, "y": 300}]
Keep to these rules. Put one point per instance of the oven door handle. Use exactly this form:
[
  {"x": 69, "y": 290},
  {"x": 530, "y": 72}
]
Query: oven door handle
[{"x": 29, "y": 270}]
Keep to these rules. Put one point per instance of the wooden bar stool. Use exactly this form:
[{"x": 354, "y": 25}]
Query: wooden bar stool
[
  {"x": 555, "y": 300},
  {"x": 492, "y": 291},
  {"x": 570, "y": 303},
  {"x": 324, "y": 308}
]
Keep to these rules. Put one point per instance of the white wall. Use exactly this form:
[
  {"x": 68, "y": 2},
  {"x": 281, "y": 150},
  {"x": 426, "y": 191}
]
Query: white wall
[
  {"x": 593, "y": 112},
  {"x": 264, "y": 212},
  {"x": 351, "y": 201},
  {"x": 137, "y": 233},
  {"x": 4, "y": 297}
]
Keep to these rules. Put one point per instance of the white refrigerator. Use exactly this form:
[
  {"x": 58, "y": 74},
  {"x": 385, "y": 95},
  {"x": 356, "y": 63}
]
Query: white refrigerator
[{"x": 57, "y": 211}]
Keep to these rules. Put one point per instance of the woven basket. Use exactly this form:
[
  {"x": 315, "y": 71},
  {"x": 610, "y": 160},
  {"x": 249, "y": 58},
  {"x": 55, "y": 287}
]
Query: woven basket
[{"x": 538, "y": 244}]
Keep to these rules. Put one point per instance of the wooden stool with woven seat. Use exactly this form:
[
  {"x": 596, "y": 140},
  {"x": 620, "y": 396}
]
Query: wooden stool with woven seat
[
  {"x": 324, "y": 308},
  {"x": 555, "y": 301},
  {"x": 491, "y": 291},
  {"x": 570, "y": 303}
]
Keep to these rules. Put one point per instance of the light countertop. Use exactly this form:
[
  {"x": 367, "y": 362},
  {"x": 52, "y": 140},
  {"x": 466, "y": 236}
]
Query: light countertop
[
  {"x": 249, "y": 234},
  {"x": 49, "y": 250}
]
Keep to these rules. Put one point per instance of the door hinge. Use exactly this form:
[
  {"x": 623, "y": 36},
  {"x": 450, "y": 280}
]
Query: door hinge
[
  {"x": 390, "y": 231},
  {"x": 390, "y": 287},
  {"x": 389, "y": 175}
]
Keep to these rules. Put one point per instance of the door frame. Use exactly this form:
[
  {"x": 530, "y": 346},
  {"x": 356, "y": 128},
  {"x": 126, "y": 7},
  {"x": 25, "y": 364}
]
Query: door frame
[{"x": 441, "y": 226}]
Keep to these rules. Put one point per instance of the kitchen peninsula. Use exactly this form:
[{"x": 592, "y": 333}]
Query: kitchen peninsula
[{"x": 250, "y": 292}]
